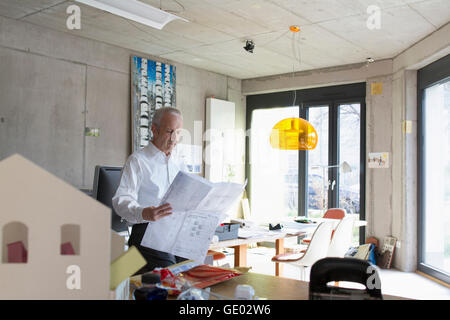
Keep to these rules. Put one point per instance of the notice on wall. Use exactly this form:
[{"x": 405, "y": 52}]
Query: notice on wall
[
  {"x": 378, "y": 160},
  {"x": 376, "y": 88}
]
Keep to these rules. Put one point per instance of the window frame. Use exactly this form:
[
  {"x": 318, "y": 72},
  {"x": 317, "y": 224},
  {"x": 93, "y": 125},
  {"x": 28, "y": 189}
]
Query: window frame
[
  {"x": 430, "y": 75},
  {"x": 332, "y": 96}
]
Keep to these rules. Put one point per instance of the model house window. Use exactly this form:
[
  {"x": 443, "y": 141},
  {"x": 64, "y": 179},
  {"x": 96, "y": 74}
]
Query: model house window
[
  {"x": 15, "y": 243},
  {"x": 70, "y": 239}
]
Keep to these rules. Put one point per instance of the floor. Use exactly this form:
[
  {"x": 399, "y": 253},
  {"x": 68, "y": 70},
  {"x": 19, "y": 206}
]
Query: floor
[{"x": 393, "y": 282}]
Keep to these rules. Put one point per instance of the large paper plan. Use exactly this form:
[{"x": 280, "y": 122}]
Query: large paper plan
[{"x": 198, "y": 208}]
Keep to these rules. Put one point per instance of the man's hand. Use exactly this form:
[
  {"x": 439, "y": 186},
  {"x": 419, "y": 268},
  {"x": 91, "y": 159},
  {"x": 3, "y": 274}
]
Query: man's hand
[{"x": 156, "y": 213}]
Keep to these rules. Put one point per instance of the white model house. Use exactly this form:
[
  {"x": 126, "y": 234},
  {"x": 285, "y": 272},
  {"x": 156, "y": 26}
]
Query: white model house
[{"x": 43, "y": 212}]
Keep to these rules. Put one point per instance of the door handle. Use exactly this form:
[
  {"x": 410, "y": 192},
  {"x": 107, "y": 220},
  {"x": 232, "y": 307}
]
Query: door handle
[{"x": 332, "y": 184}]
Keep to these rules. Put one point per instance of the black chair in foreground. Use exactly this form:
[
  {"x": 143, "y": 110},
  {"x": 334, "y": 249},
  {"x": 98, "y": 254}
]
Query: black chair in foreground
[{"x": 329, "y": 270}]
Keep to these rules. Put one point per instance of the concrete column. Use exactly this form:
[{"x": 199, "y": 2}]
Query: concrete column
[{"x": 404, "y": 140}]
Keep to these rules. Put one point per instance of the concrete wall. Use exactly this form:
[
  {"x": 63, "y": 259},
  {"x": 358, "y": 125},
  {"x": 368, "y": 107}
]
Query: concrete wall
[
  {"x": 54, "y": 84},
  {"x": 405, "y": 210},
  {"x": 404, "y": 164},
  {"x": 379, "y": 187}
]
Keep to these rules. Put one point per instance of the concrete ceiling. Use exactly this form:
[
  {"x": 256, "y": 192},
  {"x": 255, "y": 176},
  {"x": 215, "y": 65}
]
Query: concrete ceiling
[{"x": 333, "y": 32}]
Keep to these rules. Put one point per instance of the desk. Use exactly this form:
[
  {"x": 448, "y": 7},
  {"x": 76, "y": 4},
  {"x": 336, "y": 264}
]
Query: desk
[
  {"x": 240, "y": 247},
  {"x": 271, "y": 287},
  {"x": 265, "y": 286}
]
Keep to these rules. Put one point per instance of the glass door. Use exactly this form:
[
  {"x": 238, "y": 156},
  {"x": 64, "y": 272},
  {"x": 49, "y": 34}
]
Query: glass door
[
  {"x": 349, "y": 155},
  {"x": 317, "y": 160},
  {"x": 436, "y": 176},
  {"x": 286, "y": 183},
  {"x": 333, "y": 167}
]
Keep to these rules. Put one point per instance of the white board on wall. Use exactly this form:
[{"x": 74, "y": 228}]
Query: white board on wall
[{"x": 220, "y": 138}]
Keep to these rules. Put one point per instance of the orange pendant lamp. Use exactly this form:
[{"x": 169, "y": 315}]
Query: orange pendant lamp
[{"x": 293, "y": 134}]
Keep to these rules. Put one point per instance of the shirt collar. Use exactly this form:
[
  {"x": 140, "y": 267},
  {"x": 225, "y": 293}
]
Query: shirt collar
[{"x": 152, "y": 150}]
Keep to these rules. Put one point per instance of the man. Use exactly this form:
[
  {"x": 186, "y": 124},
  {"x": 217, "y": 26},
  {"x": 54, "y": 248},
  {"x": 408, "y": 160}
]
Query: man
[{"x": 145, "y": 178}]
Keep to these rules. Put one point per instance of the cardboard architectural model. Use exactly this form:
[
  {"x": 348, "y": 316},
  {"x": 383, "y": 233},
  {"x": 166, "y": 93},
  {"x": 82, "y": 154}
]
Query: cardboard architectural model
[{"x": 40, "y": 214}]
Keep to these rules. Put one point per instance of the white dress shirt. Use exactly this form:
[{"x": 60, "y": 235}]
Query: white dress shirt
[{"x": 145, "y": 178}]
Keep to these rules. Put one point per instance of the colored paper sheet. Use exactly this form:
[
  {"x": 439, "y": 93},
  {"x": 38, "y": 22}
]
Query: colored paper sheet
[{"x": 125, "y": 266}]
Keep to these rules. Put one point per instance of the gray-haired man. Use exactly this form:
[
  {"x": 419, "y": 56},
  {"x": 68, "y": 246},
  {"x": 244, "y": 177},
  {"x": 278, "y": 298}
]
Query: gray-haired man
[{"x": 145, "y": 178}]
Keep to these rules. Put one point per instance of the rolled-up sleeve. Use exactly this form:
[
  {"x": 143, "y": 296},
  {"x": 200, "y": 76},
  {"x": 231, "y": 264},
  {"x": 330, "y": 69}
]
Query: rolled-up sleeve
[{"x": 125, "y": 201}]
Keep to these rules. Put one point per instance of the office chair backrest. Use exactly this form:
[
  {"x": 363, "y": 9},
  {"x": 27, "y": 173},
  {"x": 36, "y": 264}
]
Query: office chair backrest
[
  {"x": 106, "y": 181},
  {"x": 334, "y": 213},
  {"x": 330, "y": 269},
  {"x": 342, "y": 238},
  {"x": 318, "y": 247}
]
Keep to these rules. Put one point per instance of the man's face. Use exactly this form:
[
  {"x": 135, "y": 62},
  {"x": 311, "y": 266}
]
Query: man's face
[{"x": 166, "y": 136}]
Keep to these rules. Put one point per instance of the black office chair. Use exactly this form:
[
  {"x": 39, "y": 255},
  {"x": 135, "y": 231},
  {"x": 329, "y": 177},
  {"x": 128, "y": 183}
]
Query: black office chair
[
  {"x": 106, "y": 181},
  {"x": 330, "y": 269}
]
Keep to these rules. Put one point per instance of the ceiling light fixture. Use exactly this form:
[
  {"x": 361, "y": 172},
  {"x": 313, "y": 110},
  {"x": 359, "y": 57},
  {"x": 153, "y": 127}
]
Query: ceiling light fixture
[
  {"x": 293, "y": 134},
  {"x": 134, "y": 10}
]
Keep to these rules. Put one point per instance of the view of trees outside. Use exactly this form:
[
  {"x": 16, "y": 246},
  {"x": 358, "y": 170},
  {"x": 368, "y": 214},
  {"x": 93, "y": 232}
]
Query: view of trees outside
[
  {"x": 317, "y": 163},
  {"x": 349, "y": 151},
  {"x": 437, "y": 177}
]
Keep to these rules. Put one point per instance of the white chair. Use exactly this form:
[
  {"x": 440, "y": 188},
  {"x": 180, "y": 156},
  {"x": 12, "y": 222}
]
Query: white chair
[
  {"x": 317, "y": 249},
  {"x": 342, "y": 238},
  {"x": 332, "y": 213}
]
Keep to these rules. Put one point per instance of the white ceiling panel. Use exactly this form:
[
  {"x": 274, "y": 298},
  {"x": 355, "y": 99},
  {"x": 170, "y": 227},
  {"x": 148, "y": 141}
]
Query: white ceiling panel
[
  {"x": 223, "y": 21},
  {"x": 320, "y": 10},
  {"x": 333, "y": 32},
  {"x": 269, "y": 15},
  {"x": 214, "y": 66},
  {"x": 19, "y": 8},
  {"x": 433, "y": 11},
  {"x": 400, "y": 28}
]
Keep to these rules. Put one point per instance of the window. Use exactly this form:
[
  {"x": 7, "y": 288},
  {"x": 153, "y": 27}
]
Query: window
[
  {"x": 70, "y": 239},
  {"x": 434, "y": 169},
  {"x": 285, "y": 183},
  {"x": 274, "y": 174},
  {"x": 15, "y": 243},
  {"x": 334, "y": 166}
]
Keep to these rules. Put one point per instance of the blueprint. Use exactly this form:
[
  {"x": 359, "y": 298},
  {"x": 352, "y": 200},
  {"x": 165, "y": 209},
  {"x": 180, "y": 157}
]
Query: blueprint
[{"x": 198, "y": 208}]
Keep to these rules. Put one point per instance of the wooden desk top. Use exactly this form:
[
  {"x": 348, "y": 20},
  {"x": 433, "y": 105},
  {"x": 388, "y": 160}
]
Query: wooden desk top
[
  {"x": 268, "y": 287},
  {"x": 271, "y": 287}
]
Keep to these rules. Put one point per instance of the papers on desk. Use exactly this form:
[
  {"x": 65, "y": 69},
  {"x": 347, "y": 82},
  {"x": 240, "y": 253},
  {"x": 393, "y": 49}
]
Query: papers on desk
[
  {"x": 292, "y": 225},
  {"x": 198, "y": 208},
  {"x": 248, "y": 233}
]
